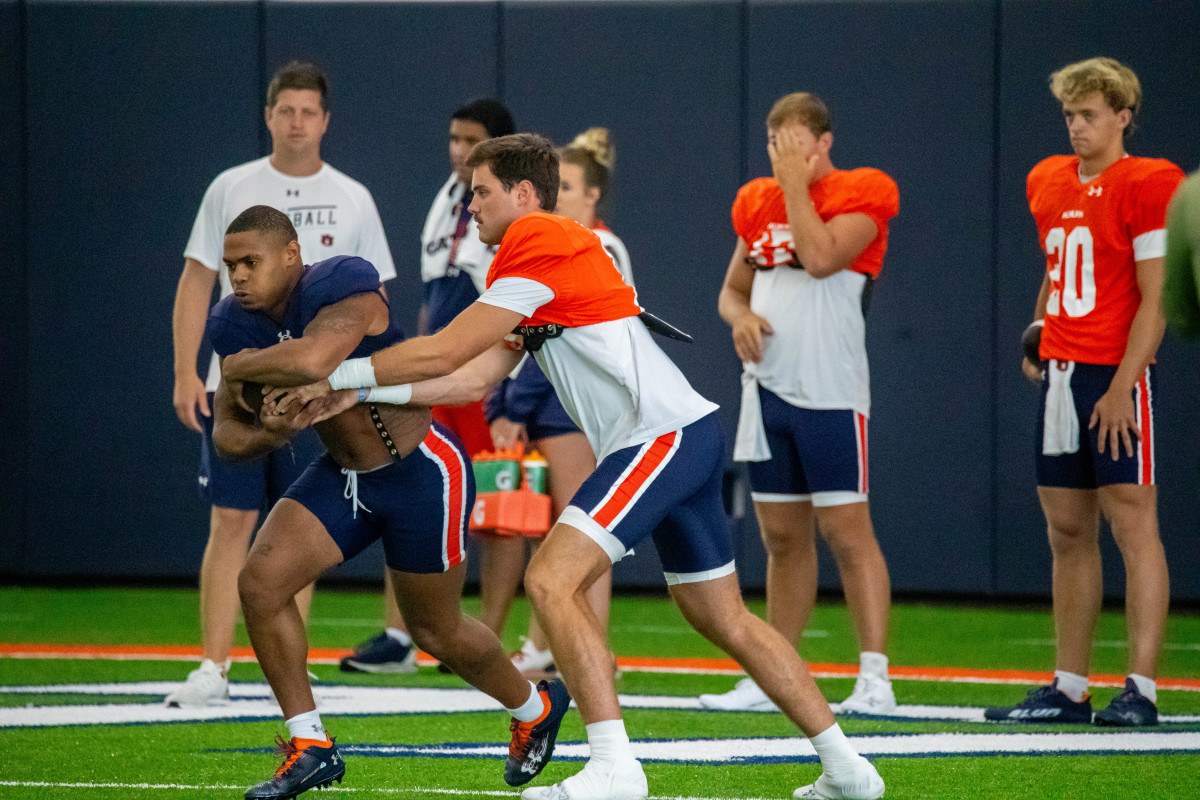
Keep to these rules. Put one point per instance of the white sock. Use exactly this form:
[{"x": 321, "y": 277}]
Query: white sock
[
  {"x": 1072, "y": 685},
  {"x": 608, "y": 742},
  {"x": 400, "y": 636},
  {"x": 1146, "y": 686},
  {"x": 209, "y": 664},
  {"x": 531, "y": 709},
  {"x": 838, "y": 759},
  {"x": 307, "y": 726},
  {"x": 872, "y": 665}
]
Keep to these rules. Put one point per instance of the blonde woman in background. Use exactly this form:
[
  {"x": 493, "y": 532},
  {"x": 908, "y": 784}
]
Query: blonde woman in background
[{"x": 526, "y": 409}]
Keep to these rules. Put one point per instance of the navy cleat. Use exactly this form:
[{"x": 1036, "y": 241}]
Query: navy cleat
[
  {"x": 1044, "y": 704},
  {"x": 1130, "y": 709},
  {"x": 380, "y": 654},
  {"x": 306, "y": 765},
  {"x": 532, "y": 743}
]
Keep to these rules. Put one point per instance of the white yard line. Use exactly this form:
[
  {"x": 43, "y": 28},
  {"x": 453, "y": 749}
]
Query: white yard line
[{"x": 252, "y": 700}]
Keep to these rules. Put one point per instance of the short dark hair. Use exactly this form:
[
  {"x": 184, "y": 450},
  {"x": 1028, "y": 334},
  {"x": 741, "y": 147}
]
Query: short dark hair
[
  {"x": 803, "y": 107},
  {"x": 298, "y": 75},
  {"x": 265, "y": 219},
  {"x": 521, "y": 157},
  {"x": 491, "y": 114}
]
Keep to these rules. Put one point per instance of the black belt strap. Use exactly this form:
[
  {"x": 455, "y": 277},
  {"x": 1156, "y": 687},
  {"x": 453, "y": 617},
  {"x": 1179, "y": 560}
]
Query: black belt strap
[{"x": 383, "y": 432}]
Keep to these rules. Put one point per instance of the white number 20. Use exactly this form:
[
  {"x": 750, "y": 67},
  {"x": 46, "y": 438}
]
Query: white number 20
[{"x": 1075, "y": 268}]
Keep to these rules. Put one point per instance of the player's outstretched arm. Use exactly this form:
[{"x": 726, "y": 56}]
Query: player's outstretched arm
[
  {"x": 473, "y": 332},
  {"x": 466, "y": 384},
  {"x": 332, "y": 336},
  {"x": 238, "y": 434}
]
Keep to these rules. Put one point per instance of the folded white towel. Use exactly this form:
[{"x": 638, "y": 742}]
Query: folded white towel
[
  {"x": 750, "y": 443},
  {"x": 1060, "y": 433}
]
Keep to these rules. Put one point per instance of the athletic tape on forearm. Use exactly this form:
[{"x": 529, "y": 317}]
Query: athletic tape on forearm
[
  {"x": 392, "y": 395},
  {"x": 353, "y": 373}
]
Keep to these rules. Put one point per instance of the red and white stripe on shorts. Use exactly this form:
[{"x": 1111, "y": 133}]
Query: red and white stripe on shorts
[
  {"x": 1143, "y": 403},
  {"x": 635, "y": 480},
  {"x": 860, "y": 440},
  {"x": 438, "y": 449}
]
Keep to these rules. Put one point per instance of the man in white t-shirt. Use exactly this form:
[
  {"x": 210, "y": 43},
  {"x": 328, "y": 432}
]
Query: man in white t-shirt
[{"x": 333, "y": 215}]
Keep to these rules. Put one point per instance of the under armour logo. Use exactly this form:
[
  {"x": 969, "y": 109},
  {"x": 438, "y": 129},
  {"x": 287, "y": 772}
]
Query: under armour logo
[
  {"x": 1095, "y": 191},
  {"x": 293, "y": 192},
  {"x": 284, "y": 335}
]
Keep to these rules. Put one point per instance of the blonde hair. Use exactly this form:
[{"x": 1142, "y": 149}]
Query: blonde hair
[
  {"x": 1112, "y": 79},
  {"x": 594, "y": 151},
  {"x": 803, "y": 107}
]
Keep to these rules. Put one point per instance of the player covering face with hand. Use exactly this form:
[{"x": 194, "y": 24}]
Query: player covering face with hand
[{"x": 660, "y": 452}]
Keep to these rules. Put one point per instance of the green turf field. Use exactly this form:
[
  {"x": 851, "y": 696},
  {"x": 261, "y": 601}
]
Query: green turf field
[{"x": 219, "y": 758}]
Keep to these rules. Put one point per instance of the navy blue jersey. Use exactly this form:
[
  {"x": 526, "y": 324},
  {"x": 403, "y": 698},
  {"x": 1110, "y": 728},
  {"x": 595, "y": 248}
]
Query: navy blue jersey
[{"x": 232, "y": 328}]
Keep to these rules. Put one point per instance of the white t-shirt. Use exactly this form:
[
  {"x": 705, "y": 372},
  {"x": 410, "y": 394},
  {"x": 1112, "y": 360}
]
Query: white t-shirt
[
  {"x": 613, "y": 379},
  {"x": 817, "y": 357},
  {"x": 616, "y": 249},
  {"x": 334, "y": 215},
  {"x": 442, "y": 250}
]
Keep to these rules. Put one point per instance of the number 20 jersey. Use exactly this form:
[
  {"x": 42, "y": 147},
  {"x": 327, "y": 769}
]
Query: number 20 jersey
[{"x": 1093, "y": 234}]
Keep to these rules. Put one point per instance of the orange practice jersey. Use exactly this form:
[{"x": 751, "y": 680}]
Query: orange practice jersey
[
  {"x": 1093, "y": 234},
  {"x": 760, "y": 216},
  {"x": 562, "y": 254}
]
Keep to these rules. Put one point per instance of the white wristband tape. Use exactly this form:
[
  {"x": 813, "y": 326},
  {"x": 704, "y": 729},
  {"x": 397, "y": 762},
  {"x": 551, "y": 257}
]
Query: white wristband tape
[
  {"x": 353, "y": 373},
  {"x": 392, "y": 395}
]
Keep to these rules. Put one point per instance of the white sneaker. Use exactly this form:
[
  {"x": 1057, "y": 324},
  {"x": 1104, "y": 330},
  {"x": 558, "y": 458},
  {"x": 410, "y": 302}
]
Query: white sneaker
[
  {"x": 865, "y": 785},
  {"x": 870, "y": 696},
  {"x": 745, "y": 696},
  {"x": 531, "y": 660},
  {"x": 205, "y": 686},
  {"x": 625, "y": 781}
]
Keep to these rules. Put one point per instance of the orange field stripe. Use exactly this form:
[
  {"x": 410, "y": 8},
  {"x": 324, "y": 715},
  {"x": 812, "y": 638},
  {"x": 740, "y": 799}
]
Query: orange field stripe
[{"x": 631, "y": 664}]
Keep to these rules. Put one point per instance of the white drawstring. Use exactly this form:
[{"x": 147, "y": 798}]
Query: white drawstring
[{"x": 351, "y": 492}]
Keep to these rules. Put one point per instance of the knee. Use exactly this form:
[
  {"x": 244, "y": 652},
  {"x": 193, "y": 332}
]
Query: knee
[
  {"x": 786, "y": 541},
  {"x": 545, "y": 586},
  {"x": 256, "y": 591},
  {"x": 1069, "y": 537},
  {"x": 230, "y": 527}
]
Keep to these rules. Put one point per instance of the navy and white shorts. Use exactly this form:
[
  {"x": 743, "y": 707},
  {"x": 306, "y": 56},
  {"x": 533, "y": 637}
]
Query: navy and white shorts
[
  {"x": 817, "y": 455},
  {"x": 418, "y": 504},
  {"x": 549, "y": 419},
  {"x": 671, "y": 487},
  {"x": 1089, "y": 468},
  {"x": 252, "y": 485}
]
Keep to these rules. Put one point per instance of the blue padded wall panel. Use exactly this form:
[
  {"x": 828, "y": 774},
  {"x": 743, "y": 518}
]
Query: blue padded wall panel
[
  {"x": 911, "y": 94},
  {"x": 133, "y": 108},
  {"x": 13, "y": 298},
  {"x": 1157, "y": 41},
  {"x": 397, "y": 72},
  {"x": 671, "y": 101}
]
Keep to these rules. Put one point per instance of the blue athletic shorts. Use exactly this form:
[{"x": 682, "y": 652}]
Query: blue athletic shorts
[
  {"x": 252, "y": 485},
  {"x": 418, "y": 504},
  {"x": 1088, "y": 468},
  {"x": 817, "y": 455},
  {"x": 549, "y": 419},
  {"x": 671, "y": 487}
]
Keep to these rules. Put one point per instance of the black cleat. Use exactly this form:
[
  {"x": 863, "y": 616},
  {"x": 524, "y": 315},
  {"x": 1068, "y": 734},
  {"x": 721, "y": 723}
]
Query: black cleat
[
  {"x": 304, "y": 767},
  {"x": 532, "y": 743},
  {"x": 1044, "y": 704},
  {"x": 1130, "y": 709}
]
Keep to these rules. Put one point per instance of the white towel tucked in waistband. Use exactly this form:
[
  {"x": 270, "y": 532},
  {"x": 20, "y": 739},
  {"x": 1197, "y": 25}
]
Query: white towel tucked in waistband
[
  {"x": 750, "y": 444},
  {"x": 1060, "y": 434}
]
